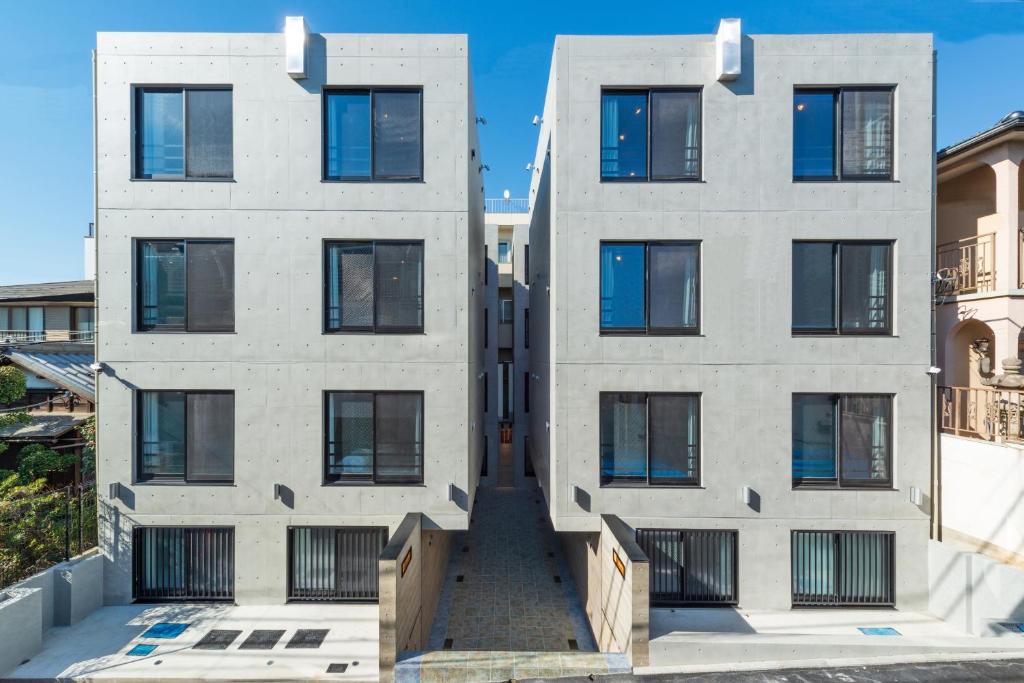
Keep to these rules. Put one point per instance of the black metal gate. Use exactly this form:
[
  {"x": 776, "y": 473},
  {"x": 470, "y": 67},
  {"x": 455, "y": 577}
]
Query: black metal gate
[
  {"x": 334, "y": 564},
  {"x": 843, "y": 568},
  {"x": 690, "y": 566},
  {"x": 183, "y": 563}
]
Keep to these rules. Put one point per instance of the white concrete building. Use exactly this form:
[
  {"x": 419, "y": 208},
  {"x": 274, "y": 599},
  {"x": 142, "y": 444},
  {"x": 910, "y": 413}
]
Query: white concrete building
[
  {"x": 289, "y": 300},
  {"x": 730, "y": 306}
]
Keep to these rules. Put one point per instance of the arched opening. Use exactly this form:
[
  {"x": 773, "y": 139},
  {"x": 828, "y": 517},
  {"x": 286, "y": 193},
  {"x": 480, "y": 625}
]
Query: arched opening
[{"x": 969, "y": 344}]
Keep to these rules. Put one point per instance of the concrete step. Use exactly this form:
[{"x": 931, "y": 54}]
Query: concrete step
[{"x": 493, "y": 665}]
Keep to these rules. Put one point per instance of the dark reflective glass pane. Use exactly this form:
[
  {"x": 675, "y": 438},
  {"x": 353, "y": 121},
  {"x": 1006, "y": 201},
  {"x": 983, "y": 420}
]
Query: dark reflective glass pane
[
  {"x": 814, "y": 283},
  {"x": 399, "y": 288},
  {"x": 160, "y": 133},
  {"x": 211, "y": 286},
  {"x": 674, "y": 449},
  {"x": 399, "y": 425},
  {"x": 624, "y": 135},
  {"x": 347, "y": 138},
  {"x": 163, "y": 434},
  {"x": 864, "y": 448},
  {"x": 673, "y": 285},
  {"x": 814, "y": 434},
  {"x": 163, "y": 284},
  {"x": 623, "y": 299},
  {"x": 623, "y": 437},
  {"x": 350, "y": 435},
  {"x": 814, "y": 134},
  {"x": 864, "y": 279},
  {"x": 867, "y": 133},
  {"x": 675, "y": 135},
  {"x": 397, "y": 148},
  {"x": 349, "y": 285},
  {"x": 211, "y": 437},
  {"x": 209, "y": 134}
]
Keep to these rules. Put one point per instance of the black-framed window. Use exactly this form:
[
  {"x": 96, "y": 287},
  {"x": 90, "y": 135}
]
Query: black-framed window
[
  {"x": 183, "y": 563},
  {"x": 650, "y": 439},
  {"x": 526, "y": 392},
  {"x": 373, "y": 286},
  {"x": 842, "y": 287},
  {"x": 186, "y": 285},
  {"x": 373, "y": 134},
  {"x": 373, "y": 437},
  {"x": 526, "y": 264},
  {"x": 526, "y": 328},
  {"x": 650, "y": 134},
  {"x": 487, "y": 317},
  {"x": 186, "y": 436},
  {"x": 842, "y": 440},
  {"x": 650, "y": 288},
  {"x": 487, "y": 391},
  {"x": 690, "y": 566},
  {"x": 843, "y": 133},
  {"x": 506, "y": 310},
  {"x": 486, "y": 268},
  {"x": 843, "y": 568},
  {"x": 182, "y": 132},
  {"x": 334, "y": 564}
]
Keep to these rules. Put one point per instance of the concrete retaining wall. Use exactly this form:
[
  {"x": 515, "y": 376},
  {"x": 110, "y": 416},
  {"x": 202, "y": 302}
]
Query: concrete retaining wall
[
  {"x": 69, "y": 590},
  {"x": 973, "y": 592},
  {"x": 21, "y": 628}
]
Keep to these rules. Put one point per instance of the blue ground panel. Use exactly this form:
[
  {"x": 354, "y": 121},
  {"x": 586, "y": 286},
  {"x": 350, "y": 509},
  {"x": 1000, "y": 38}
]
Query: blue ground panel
[
  {"x": 141, "y": 650},
  {"x": 165, "y": 630},
  {"x": 879, "y": 631}
]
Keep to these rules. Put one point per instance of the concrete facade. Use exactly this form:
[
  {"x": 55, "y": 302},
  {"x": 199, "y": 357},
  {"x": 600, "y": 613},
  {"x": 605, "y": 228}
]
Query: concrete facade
[
  {"x": 278, "y": 361},
  {"x": 745, "y": 211}
]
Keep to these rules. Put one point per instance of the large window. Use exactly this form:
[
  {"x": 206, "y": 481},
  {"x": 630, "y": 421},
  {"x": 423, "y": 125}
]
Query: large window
[
  {"x": 373, "y": 134},
  {"x": 650, "y": 439},
  {"x": 842, "y": 288},
  {"x": 183, "y": 133},
  {"x": 843, "y": 134},
  {"x": 650, "y": 287},
  {"x": 374, "y": 437},
  {"x": 186, "y": 436},
  {"x": 186, "y": 285},
  {"x": 334, "y": 564},
  {"x": 504, "y": 252},
  {"x": 842, "y": 440},
  {"x": 373, "y": 286},
  {"x": 843, "y": 568},
  {"x": 650, "y": 135},
  {"x": 22, "y": 323},
  {"x": 690, "y": 566},
  {"x": 183, "y": 563},
  {"x": 83, "y": 321}
]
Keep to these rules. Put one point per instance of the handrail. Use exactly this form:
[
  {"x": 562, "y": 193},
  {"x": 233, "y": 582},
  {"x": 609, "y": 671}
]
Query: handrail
[
  {"x": 501, "y": 205},
  {"x": 970, "y": 263},
  {"x": 984, "y": 413}
]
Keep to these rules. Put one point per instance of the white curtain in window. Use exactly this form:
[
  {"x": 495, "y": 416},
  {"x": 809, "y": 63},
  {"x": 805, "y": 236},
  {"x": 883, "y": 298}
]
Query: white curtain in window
[{"x": 878, "y": 287}]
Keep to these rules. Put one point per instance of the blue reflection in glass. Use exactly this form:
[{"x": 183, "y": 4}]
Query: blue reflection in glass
[
  {"x": 348, "y": 135},
  {"x": 622, "y": 286},
  {"x": 814, "y": 436},
  {"x": 624, "y": 135},
  {"x": 814, "y": 135},
  {"x": 161, "y": 133}
]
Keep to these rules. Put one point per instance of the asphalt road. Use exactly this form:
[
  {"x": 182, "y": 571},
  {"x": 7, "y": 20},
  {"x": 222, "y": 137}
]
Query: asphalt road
[{"x": 947, "y": 672}]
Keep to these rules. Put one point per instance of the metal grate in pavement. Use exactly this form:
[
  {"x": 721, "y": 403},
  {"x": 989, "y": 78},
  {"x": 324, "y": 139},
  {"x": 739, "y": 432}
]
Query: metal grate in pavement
[
  {"x": 307, "y": 639},
  {"x": 337, "y": 668},
  {"x": 217, "y": 639},
  {"x": 261, "y": 640}
]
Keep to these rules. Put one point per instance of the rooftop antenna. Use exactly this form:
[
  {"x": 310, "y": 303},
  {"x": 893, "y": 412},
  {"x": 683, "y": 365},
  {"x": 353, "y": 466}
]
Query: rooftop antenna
[{"x": 506, "y": 195}]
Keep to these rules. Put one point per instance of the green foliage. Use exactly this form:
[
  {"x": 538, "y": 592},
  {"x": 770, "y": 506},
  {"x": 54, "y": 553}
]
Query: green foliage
[
  {"x": 88, "y": 432},
  {"x": 35, "y": 461},
  {"x": 12, "y": 388}
]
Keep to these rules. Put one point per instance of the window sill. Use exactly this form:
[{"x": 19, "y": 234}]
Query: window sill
[
  {"x": 182, "y": 180},
  {"x": 632, "y": 333},
  {"x": 833, "y": 487},
  {"x": 226, "y": 332},
  {"x": 371, "y": 333},
  {"x": 655, "y": 181},
  {"x": 630, "y": 485},
  {"x": 175, "y": 482},
  {"x": 845, "y": 180},
  {"x": 345, "y": 484},
  {"x": 838, "y": 335},
  {"x": 374, "y": 181}
]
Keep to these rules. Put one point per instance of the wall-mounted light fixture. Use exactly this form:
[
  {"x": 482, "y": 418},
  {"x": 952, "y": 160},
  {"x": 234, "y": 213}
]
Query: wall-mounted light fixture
[
  {"x": 728, "y": 50},
  {"x": 295, "y": 40},
  {"x": 277, "y": 492},
  {"x": 916, "y": 497},
  {"x": 114, "y": 491}
]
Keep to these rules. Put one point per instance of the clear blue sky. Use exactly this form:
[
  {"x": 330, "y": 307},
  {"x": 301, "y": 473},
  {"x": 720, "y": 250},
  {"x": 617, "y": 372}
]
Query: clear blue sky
[{"x": 45, "y": 81}]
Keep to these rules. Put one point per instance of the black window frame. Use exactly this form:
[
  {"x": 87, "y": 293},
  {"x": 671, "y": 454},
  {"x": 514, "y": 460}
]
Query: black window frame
[
  {"x": 371, "y": 92},
  {"x": 838, "y": 482},
  {"x": 140, "y": 326},
  {"x": 648, "y": 330},
  {"x": 342, "y": 480},
  {"x": 834, "y": 599},
  {"x": 837, "y": 142},
  {"x": 682, "y": 597},
  {"x": 526, "y": 328},
  {"x": 837, "y": 272},
  {"x": 649, "y": 178},
  {"x": 136, "y": 161},
  {"x": 219, "y": 538},
  {"x": 183, "y": 479},
  {"x": 374, "y": 328},
  {"x": 364, "y": 534},
  {"x": 526, "y": 392},
  {"x": 693, "y": 482},
  {"x": 526, "y": 264}
]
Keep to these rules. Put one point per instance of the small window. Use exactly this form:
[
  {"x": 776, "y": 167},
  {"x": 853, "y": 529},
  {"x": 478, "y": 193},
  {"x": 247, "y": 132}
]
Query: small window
[
  {"x": 504, "y": 252},
  {"x": 506, "y": 310},
  {"x": 83, "y": 322},
  {"x": 650, "y": 288},
  {"x": 843, "y": 568},
  {"x": 373, "y": 135},
  {"x": 486, "y": 325},
  {"x": 526, "y": 392},
  {"x": 650, "y": 135},
  {"x": 650, "y": 439},
  {"x": 374, "y": 287},
  {"x": 183, "y": 133},
  {"x": 526, "y": 328},
  {"x": 374, "y": 437},
  {"x": 842, "y": 288},
  {"x": 690, "y": 567},
  {"x": 842, "y": 440},
  {"x": 186, "y": 285},
  {"x": 486, "y": 268},
  {"x": 526, "y": 264},
  {"x": 186, "y": 436},
  {"x": 843, "y": 134}
]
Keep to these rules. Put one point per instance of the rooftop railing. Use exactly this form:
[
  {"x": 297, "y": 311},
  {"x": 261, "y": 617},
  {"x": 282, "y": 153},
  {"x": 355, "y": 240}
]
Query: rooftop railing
[
  {"x": 507, "y": 205},
  {"x": 32, "y": 336},
  {"x": 969, "y": 264}
]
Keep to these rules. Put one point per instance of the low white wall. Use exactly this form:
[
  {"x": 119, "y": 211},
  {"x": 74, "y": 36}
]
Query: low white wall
[
  {"x": 973, "y": 592},
  {"x": 982, "y": 496},
  {"x": 68, "y": 591},
  {"x": 21, "y": 628}
]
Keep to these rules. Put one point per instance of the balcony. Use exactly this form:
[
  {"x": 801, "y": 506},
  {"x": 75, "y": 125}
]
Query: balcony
[
  {"x": 506, "y": 205},
  {"x": 982, "y": 413},
  {"x": 968, "y": 265},
  {"x": 36, "y": 336}
]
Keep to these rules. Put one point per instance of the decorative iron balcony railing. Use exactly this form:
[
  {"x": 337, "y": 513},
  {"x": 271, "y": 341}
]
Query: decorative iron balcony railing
[
  {"x": 982, "y": 413},
  {"x": 970, "y": 264}
]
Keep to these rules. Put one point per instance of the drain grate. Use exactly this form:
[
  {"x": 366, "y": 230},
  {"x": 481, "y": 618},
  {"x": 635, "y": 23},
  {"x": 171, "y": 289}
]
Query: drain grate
[
  {"x": 307, "y": 639},
  {"x": 879, "y": 631},
  {"x": 460, "y": 578},
  {"x": 261, "y": 640},
  {"x": 448, "y": 643},
  {"x": 337, "y": 668},
  {"x": 558, "y": 579},
  {"x": 141, "y": 650},
  {"x": 165, "y": 630},
  {"x": 217, "y": 639},
  {"x": 573, "y": 645},
  {"x": 1015, "y": 626}
]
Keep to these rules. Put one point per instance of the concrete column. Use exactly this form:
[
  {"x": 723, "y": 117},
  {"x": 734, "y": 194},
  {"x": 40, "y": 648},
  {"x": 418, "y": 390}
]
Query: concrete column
[
  {"x": 1005, "y": 332},
  {"x": 1008, "y": 237}
]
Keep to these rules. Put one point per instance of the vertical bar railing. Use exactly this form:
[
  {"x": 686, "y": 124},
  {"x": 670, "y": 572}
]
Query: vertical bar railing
[
  {"x": 983, "y": 413},
  {"x": 971, "y": 261}
]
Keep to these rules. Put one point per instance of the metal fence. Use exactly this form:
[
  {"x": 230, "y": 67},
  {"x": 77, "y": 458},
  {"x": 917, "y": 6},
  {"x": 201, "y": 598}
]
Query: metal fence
[
  {"x": 183, "y": 563},
  {"x": 507, "y": 205},
  {"x": 970, "y": 263},
  {"x": 334, "y": 564},
  {"x": 690, "y": 566},
  {"x": 843, "y": 568}
]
